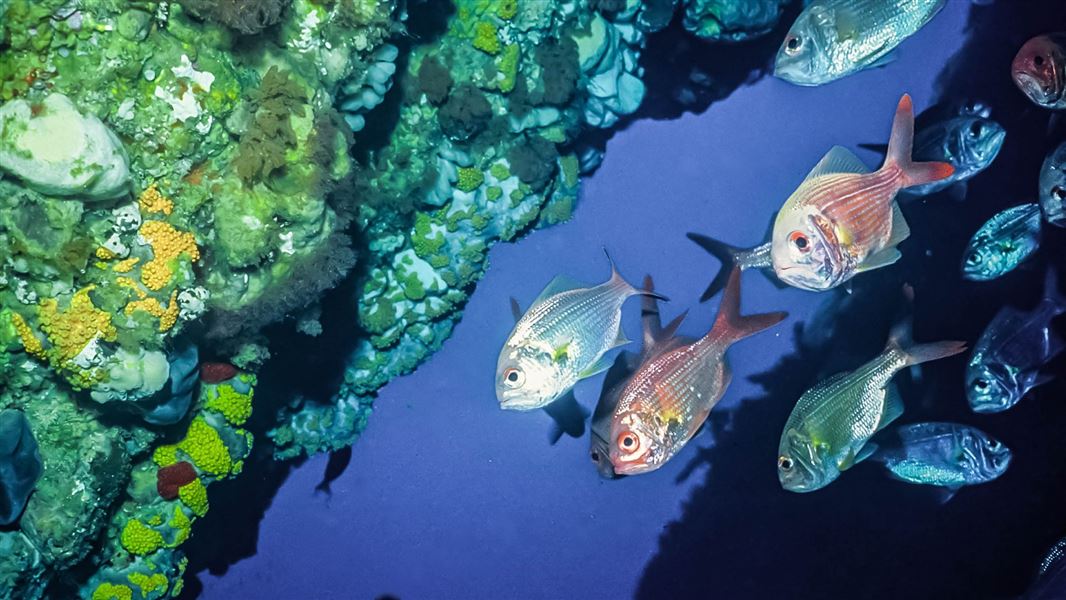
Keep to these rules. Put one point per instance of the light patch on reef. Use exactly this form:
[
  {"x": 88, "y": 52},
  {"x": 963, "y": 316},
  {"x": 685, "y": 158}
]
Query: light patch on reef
[
  {"x": 186, "y": 106},
  {"x": 308, "y": 33}
]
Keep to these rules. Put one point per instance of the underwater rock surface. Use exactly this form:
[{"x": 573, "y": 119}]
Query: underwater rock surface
[{"x": 179, "y": 177}]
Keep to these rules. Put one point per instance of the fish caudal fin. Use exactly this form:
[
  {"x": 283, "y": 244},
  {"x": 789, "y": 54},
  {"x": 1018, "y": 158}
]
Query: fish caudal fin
[
  {"x": 725, "y": 254},
  {"x": 915, "y": 354},
  {"x": 900, "y": 145},
  {"x": 730, "y": 323},
  {"x": 616, "y": 279}
]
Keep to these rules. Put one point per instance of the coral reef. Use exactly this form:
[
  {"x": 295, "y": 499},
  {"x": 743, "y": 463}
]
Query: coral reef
[{"x": 175, "y": 177}]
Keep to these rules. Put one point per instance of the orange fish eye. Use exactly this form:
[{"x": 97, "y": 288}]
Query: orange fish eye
[
  {"x": 629, "y": 442},
  {"x": 800, "y": 241}
]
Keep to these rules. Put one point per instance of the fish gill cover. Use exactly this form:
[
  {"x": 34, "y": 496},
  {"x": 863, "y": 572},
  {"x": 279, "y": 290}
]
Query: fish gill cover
[{"x": 179, "y": 177}]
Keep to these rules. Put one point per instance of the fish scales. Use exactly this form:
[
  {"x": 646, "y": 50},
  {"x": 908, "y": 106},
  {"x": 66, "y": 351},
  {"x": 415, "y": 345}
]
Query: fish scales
[{"x": 881, "y": 23}]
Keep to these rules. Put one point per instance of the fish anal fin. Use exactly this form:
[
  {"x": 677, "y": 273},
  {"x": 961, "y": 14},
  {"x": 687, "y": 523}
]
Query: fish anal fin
[
  {"x": 879, "y": 259},
  {"x": 900, "y": 229},
  {"x": 893, "y": 407},
  {"x": 838, "y": 160},
  {"x": 884, "y": 61}
]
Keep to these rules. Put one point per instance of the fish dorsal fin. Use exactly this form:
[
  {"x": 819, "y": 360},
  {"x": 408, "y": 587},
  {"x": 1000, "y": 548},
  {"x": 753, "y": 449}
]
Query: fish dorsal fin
[
  {"x": 882, "y": 258},
  {"x": 516, "y": 311},
  {"x": 900, "y": 229},
  {"x": 893, "y": 407},
  {"x": 838, "y": 160},
  {"x": 671, "y": 328},
  {"x": 561, "y": 283}
]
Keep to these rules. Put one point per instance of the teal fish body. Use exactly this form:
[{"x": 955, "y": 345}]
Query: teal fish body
[
  {"x": 944, "y": 454},
  {"x": 968, "y": 143},
  {"x": 834, "y": 38},
  {"x": 1002, "y": 243},
  {"x": 1053, "y": 187},
  {"x": 832, "y": 422},
  {"x": 561, "y": 339}
]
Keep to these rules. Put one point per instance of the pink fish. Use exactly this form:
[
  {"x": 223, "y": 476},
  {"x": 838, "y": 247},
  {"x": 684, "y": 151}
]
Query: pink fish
[
  {"x": 843, "y": 219},
  {"x": 674, "y": 389},
  {"x": 1039, "y": 70}
]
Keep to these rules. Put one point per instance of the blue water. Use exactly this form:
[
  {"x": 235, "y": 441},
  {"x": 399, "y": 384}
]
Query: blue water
[{"x": 448, "y": 497}]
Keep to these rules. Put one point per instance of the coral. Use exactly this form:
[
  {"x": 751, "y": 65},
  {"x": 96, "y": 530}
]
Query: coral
[
  {"x": 434, "y": 80},
  {"x": 20, "y": 464},
  {"x": 465, "y": 114},
  {"x": 215, "y": 372},
  {"x": 245, "y": 16},
  {"x": 270, "y": 134},
  {"x": 172, "y": 477}
]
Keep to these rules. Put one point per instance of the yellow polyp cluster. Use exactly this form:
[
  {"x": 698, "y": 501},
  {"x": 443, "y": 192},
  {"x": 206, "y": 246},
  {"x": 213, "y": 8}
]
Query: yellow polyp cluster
[
  {"x": 137, "y": 538},
  {"x": 26, "y": 336},
  {"x": 194, "y": 495},
  {"x": 149, "y": 583},
  {"x": 165, "y": 455},
  {"x": 110, "y": 591},
  {"x": 231, "y": 404},
  {"x": 125, "y": 265},
  {"x": 104, "y": 254},
  {"x": 180, "y": 523},
  {"x": 167, "y": 245},
  {"x": 206, "y": 449},
  {"x": 72, "y": 329},
  {"x": 167, "y": 315},
  {"x": 151, "y": 201}
]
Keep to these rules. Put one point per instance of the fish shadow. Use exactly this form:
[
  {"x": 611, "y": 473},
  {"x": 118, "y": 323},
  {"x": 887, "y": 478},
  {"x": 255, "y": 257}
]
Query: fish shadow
[{"x": 740, "y": 535}]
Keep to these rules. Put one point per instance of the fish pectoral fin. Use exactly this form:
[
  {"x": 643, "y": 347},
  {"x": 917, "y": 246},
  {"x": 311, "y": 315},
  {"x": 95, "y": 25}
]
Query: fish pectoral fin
[
  {"x": 893, "y": 407},
  {"x": 602, "y": 364},
  {"x": 883, "y": 258},
  {"x": 900, "y": 229},
  {"x": 853, "y": 458},
  {"x": 838, "y": 160},
  {"x": 516, "y": 311},
  {"x": 560, "y": 284},
  {"x": 847, "y": 27},
  {"x": 947, "y": 493},
  {"x": 559, "y": 353}
]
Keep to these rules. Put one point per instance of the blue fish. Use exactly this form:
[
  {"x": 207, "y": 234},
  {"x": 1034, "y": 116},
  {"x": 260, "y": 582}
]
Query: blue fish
[
  {"x": 1002, "y": 243},
  {"x": 1007, "y": 359},
  {"x": 1053, "y": 186},
  {"x": 948, "y": 455}
]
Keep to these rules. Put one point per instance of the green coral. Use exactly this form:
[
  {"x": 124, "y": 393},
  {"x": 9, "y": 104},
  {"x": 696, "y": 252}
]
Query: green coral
[
  {"x": 138, "y": 538},
  {"x": 205, "y": 448}
]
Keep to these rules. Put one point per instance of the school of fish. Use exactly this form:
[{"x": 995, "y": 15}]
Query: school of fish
[{"x": 842, "y": 220}]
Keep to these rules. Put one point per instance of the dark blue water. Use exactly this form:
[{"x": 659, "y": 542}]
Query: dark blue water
[{"x": 446, "y": 496}]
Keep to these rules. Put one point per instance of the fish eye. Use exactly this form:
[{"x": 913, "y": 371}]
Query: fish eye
[
  {"x": 1058, "y": 192},
  {"x": 1038, "y": 60},
  {"x": 629, "y": 442},
  {"x": 514, "y": 377},
  {"x": 800, "y": 241},
  {"x": 981, "y": 384},
  {"x": 973, "y": 258},
  {"x": 975, "y": 129},
  {"x": 793, "y": 44},
  {"x": 784, "y": 463},
  {"x": 595, "y": 456}
]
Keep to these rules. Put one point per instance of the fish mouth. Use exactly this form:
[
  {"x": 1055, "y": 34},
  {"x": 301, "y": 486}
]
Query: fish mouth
[{"x": 1035, "y": 88}]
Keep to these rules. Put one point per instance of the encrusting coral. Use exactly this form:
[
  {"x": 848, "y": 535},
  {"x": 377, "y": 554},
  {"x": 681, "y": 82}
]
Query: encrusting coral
[{"x": 177, "y": 176}]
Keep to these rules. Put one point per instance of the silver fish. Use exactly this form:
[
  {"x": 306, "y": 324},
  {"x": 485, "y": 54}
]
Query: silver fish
[
  {"x": 1002, "y": 243},
  {"x": 560, "y": 340},
  {"x": 943, "y": 454},
  {"x": 1039, "y": 70},
  {"x": 969, "y": 144},
  {"x": 1053, "y": 187},
  {"x": 832, "y": 423},
  {"x": 656, "y": 339},
  {"x": 835, "y": 38},
  {"x": 1008, "y": 356}
]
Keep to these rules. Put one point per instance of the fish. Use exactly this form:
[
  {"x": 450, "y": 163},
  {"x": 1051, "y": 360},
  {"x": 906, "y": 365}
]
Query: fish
[
  {"x": 1007, "y": 358},
  {"x": 1002, "y": 243},
  {"x": 948, "y": 455},
  {"x": 1039, "y": 70},
  {"x": 561, "y": 339},
  {"x": 672, "y": 392},
  {"x": 968, "y": 143},
  {"x": 1053, "y": 187},
  {"x": 755, "y": 257},
  {"x": 655, "y": 338},
  {"x": 843, "y": 219},
  {"x": 1049, "y": 582},
  {"x": 829, "y": 428},
  {"x": 831, "y": 39},
  {"x": 949, "y": 109}
]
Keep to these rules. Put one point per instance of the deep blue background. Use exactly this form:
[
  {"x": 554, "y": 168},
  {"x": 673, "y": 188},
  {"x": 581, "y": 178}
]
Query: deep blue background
[{"x": 446, "y": 496}]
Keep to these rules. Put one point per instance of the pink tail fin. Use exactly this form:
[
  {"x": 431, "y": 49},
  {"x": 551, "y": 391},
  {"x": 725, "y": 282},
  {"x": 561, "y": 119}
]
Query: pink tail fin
[
  {"x": 921, "y": 353},
  {"x": 900, "y": 145},
  {"x": 730, "y": 323}
]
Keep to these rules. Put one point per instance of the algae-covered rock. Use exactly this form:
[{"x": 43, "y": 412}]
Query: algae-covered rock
[{"x": 55, "y": 149}]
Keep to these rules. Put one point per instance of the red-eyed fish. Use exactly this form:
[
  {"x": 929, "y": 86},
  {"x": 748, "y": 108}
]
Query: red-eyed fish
[
  {"x": 1039, "y": 70},
  {"x": 561, "y": 339},
  {"x": 672, "y": 392},
  {"x": 843, "y": 219}
]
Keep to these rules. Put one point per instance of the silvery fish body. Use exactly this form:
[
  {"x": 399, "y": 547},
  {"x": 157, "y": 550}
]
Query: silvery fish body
[
  {"x": 1053, "y": 186},
  {"x": 944, "y": 454},
  {"x": 1039, "y": 70},
  {"x": 1002, "y": 243},
  {"x": 1009, "y": 354},
  {"x": 968, "y": 143},
  {"x": 835, "y": 38},
  {"x": 561, "y": 339}
]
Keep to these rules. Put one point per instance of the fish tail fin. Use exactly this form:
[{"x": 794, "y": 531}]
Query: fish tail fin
[
  {"x": 915, "y": 354},
  {"x": 650, "y": 320},
  {"x": 725, "y": 254},
  {"x": 900, "y": 145},
  {"x": 618, "y": 280},
  {"x": 1051, "y": 290},
  {"x": 733, "y": 325}
]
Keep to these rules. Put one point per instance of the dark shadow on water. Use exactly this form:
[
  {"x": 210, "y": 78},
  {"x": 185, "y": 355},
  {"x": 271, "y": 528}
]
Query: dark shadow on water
[{"x": 866, "y": 536}]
